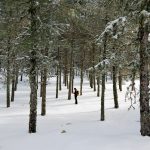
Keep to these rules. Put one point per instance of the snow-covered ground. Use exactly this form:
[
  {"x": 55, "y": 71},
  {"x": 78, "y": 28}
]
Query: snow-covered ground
[{"x": 84, "y": 130}]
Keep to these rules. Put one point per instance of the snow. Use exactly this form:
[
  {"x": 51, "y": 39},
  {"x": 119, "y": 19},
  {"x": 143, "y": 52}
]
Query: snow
[
  {"x": 119, "y": 23},
  {"x": 145, "y": 13},
  {"x": 68, "y": 126},
  {"x": 102, "y": 64},
  {"x": 146, "y": 16},
  {"x": 37, "y": 3}
]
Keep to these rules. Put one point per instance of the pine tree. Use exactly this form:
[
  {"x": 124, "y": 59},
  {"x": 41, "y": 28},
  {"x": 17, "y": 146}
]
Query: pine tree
[
  {"x": 144, "y": 23},
  {"x": 33, "y": 64}
]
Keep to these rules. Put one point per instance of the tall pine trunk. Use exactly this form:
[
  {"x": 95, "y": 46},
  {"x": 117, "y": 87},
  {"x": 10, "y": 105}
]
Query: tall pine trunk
[
  {"x": 60, "y": 78},
  {"x": 13, "y": 85},
  {"x": 133, "y": 78},
  {"x": 33, "y": 65},
  {"x": 98, "y": 86},
  {"x": 44, "y": 80},
  {"x": 57, "y": 81},
  {"x": 120, "y": 81},
  {"x": 91, "y": 79},
  {"x": 37, "y": 79},
  {"x": 103, "y": 98},
  {"x": 144, "y": 79},
  {"x": 16, "y": 77},
  {"x": 81, "y": 81},
  {"x": 60, "y": 68},
  {"x": 44, "y": 83},
  {"x": 103, "y": 82},
  {"x": 8, "y": 83},
  {"x": 70, "y": 75},
  {"x": 66, "y": 68},
  {"x": 41, "y": 87},
  {"x": 8, "y": 74},
  {"x": 94, "y": 72},
  {"x": 72, "y": 84},
  {"x": 57, "y": 73},
  {"x": 21, "y": 76},
  {"x": 94, "y": 80},
  {"x": 67, "y": 81},
  {"x": 116, "y": 105},
  {"x": 81, "y": 74}
]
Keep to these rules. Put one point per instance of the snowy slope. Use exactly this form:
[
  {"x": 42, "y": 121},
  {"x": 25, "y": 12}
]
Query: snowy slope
[{"x": 84, "y": 131}]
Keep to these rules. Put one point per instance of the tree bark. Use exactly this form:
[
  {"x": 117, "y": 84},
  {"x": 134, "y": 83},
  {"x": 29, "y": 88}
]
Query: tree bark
[
  {"x": 120, "y": 81},
  {"x": 116, "y": 105},
  {"x": 8, "y": 83},
  {"x": 94, "y": 73},
  {"x": 44, "y": 80},
  {"x": 13, "y": 85},
  {"x": 21, "y": 76},
  {"x": 98, "y": 86},
  {"x": 67, "y": 81},
  {"x": 44, "y": 83},
  {"x": 133, "y": 78},
  {"x": 57, "y": 81},
  {"x": 33, "y": 71},
  {"x": 91, "y": 79},
  {"x": 144, "y": 79},
  {"x": 81, "y": 81},
  {"x": 103, "y": 98},
  {"x": 70, "y": 75},
  {"x": 81, "y": 74},
  {"x": 41, "y": 87},
  {"x": 94, "y": 80},
  {"x": 60, "y": 87},
  {"x": 59, "y": 71},
  {"x": 8, "y": 74},
  {"x": 66, "y": 68},
  {"x": 103, "y": 82},
  {"x": 37, "y": 79},
  {"x": 72, "y": 84},
  {"x": 16, "y": 77}
]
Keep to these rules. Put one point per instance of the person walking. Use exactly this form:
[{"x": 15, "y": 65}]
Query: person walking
[{"x": 76, "y": 93}]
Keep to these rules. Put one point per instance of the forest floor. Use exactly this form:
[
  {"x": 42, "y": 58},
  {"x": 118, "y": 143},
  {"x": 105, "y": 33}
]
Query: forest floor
[{"x": 68, "y": 126}]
